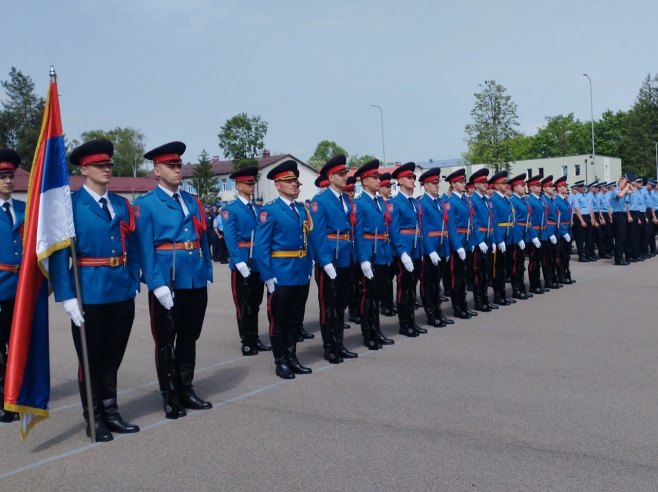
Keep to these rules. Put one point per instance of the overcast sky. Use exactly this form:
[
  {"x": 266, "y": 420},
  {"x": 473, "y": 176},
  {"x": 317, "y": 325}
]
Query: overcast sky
[{"x": 178, "y": 69}]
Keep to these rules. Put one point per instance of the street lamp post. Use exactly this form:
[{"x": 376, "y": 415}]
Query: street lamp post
[
  {"x": 381, "y": 119},
  {"x": 591, "y": 110}
]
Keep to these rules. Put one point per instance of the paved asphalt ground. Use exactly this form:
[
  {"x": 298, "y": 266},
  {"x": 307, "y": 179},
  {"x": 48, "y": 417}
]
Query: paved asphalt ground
[{"x": 558, "y": 392}]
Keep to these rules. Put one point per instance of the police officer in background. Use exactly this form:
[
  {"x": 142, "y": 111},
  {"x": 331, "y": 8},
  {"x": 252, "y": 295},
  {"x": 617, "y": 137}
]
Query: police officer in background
[
  {"x": 332, "y": 238},
  {"x": 435, "y": 245},
  {"x": 621, "y": 217},
  {"x": 177, "y": 268},
  {"x": 12, "y": 216},
  {"x": 373, "y": 252},
  {"x": 108, "y": 269},
  {"x": 407, "y": 242},
  {"x": 240, "y": 219},
  {"x": 283, "y": 259}
]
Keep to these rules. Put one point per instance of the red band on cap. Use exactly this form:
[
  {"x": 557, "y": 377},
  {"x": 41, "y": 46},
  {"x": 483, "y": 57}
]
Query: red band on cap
[
  {"x": 480, "y": 179},
  {"x": 431, "y": 179},
  {"x": 284, "y": 175},
  {"x": 95, "y": 159},
  {"x": 457, "y": 179},
  {"x": 490, "y": 186},
  {"x": 336, "y": 169},
  {"x": 533, "y": 182},
  {"x": 404, "y": 174},
  {"x": 158, "y": 159},
  {"x": 369, "y": 172},
  {"x": 562, "y": 183},
  {"x": 386, "y": 182},
  {"x": 323, "y": 183},
  {"x": 242, "y": 179},
  {"x": 548, "y": 183},
  {"x": 7, "y": 165},
  {"x": 349, "y": 187},
  {"x": 502, "y": 179}
]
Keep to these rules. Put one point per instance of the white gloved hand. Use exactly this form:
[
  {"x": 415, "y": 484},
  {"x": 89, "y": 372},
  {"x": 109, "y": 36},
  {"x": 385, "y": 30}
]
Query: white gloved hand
[
  {"x": 553, "y": 239},
  {"x": 567, "y": 237},
  {"x": 72, "y": 308},
  {"x": 501, "y": 246},
  {"x": 330, "y": 270},
  {"x": 366, "y": 268},
  {"x": 483, "y": 247},
  {"x": 407, "y": 262},
  {"x": 243, "y": 269},
  {"x": 493, "y": 248},
  {"x": 461, "y": 252},
  {"x": 521, "y": 244},
  {"x": 536, "y": 242},
  {"x": 434, "y": 256},
  {"x": 163, "y": 294},
  {"x": 270, "y": 284}
]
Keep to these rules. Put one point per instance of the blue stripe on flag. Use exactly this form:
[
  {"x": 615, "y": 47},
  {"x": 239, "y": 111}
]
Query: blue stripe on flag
[{"x": 55, "y": 171}]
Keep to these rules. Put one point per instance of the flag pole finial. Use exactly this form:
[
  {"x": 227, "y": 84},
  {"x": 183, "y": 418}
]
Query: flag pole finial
[{"x": 53, "y": 74}]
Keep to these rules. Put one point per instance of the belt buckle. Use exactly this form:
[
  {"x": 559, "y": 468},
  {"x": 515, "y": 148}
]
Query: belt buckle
[
  {"x": 188, "y": 245},
  {"x": 300, "y": 253},
  {"x": 17, "y": 268},
  {"x": 114, "y": 261}
]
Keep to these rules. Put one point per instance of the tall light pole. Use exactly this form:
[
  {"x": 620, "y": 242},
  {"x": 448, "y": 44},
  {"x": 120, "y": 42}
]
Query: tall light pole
[
  {"x": 591, "y": 110},
  {"x": 381, "y": 119}
]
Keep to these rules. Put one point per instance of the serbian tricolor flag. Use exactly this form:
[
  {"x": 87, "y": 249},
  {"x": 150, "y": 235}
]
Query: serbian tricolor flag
[{"x": 48, "y": 227}]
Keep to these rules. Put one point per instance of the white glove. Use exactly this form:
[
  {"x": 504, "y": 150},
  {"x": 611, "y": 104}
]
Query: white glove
[
  {"x": 163, "y": 294},
  {"x": 243, "y": 269},
  {"x": 366, "y": 268},
  {"x": 270, "y": 284},
  {"x": 501, "y": 246},
  {"x": 461, "y": 252},
  {"x": 434, "y": 256},
  {"x": 567, "y": 237},
  {"x": 72, "y": 308},
  {"x": 493, "y": 248},
  {"x": 407, "y": 262},
  {"x": 553, "y": 239},
  {"x": 483, "y": 247},
  {"x": 521, "y": 244},
  {"x": 208, "y": 283},
  {"x": 536, "y": 242},
  {"x": 331, "y": 271}
]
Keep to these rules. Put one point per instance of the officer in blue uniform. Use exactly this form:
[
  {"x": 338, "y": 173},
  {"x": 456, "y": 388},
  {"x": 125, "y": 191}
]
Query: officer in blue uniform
[
  {"x": 635, "y": 232},
  {"x": 460, "y": 228},
  {"x": 282, "y": 255},
  {"x": 240, "y": 218},
  {"x": 332, "y": 241},
  {"x": 538, "y": 214},
  {"x": 652, "y": 197},
  {"x": 387, "y": 307},
  {"x": 621, "y": 216},
  {"x": 563, "y": 247},
  {"x": 373, "y": 252},
  {"x": 407, "y": 242},
  {"x": 523, "y": 235},
  {"x": 549, "y": 242},
  {"x": 582, "y": 222},
  {"x": 177, "y": 267},
  {"x": 503, "y": 231},
  {"x": 108, "y": 269},
  {"x": 11, "y": 253},
  {"x": 434, "y": 228},
  {"x": 481, "y": 239}
]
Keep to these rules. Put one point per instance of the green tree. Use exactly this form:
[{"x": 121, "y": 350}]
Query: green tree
[
  {"x": 324, "y": 151},
  {"x": 204, "y": 180},
  {"x": 359, "y": 160},
  {"x": 20, "y": 116},
  {"x": 522, "y": 147},
  {"x": 242, "y": 139},
  {"x": 128, "y": 149},
  {"x": 638, "y": 150},
  {"x": 494, "y": 120},
  {"x": 610, "y": 133},
  {"x": 562, "y": 136}
]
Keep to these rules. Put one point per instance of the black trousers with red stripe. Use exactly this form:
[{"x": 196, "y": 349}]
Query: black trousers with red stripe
[
  {"x": 107, "y": 328},
  {"x": 518, "y": 269},
  {"x": 534, "y": 261},
  {"x": 334, "y": 298},
  {"x": 548, "y": 252},
  {"x": 247, "y": 297},
  {"x": 480, "y": 281},
  {"x": 457, "y": 269},
  {"x": 6, "y": 315},
  {"x": 285, "y": 311},
  {"x": 188, "y": 313},
  {"x": 430, "y": 293},
  {"x": 499, "y": 273}
]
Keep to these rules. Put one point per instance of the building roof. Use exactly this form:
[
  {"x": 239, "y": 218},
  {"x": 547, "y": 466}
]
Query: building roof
[
  {"x": 441, "y": 163},
  {"x": 226, "y": 167},
  {"x": 118, "y": 184}
]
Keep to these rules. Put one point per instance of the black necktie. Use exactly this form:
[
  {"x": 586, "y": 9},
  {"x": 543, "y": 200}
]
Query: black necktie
[
  {"x": 342, "y": 204},
  {"x": 103, "y": 203},
  {"x": 379, "y": 207},
  {"x": 251, "y": 207},
  {"x": 176, "y": 197},
  {"x": 6, "y": 207},
  {"x": 294, "y": 209}
]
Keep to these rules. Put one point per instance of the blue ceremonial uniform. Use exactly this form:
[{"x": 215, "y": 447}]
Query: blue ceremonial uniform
[
  {"x": 522, "y": 225},
  {"x": 459, "y": 221},
  {"x": 99, "y": 238},
  {"x": 503, "y": 219},
  {"x": 538, "y": 214},
  {"x": 11, "y": 250},
  {"x": 434, "y": 226},
  {"x": 564, "y": 209},
  {"x": 406, "y": 236},
  {"x": 551, "y": 216},
  {"x": 332, "y": 229},
  {"x": 239, "y": 224},
  {"x": 160, "y": 222},
  {"x": 372, "y": 219},
  {"x": 281, "y": 230}
]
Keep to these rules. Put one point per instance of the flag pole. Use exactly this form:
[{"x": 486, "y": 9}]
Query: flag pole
[{"x": 83, "y": 337}]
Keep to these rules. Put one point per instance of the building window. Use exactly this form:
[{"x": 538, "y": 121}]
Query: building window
[
  {"x": 565, "y": 170},
  {"x": 529, "y": 172},
  {"x": 541, "y": 171},
  {"x": 576, "y": 168}
]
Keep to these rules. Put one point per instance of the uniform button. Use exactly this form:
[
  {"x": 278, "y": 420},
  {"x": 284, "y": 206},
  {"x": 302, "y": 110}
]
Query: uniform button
[
  {"x": 114, "y": 251},
  {"x": 112, "y": 238},
  {"x": 15, "y": 254},
  {"x": 189, "y": 252},
  {"x": 186, "y": 229},
  {"x": 14, "y": 241}
]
